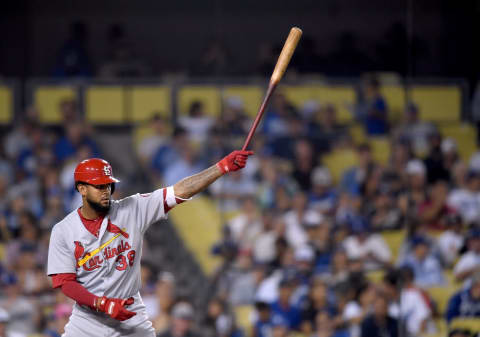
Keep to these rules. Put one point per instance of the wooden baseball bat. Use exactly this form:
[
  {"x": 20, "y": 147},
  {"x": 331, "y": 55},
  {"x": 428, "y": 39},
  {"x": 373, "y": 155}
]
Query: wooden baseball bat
[{"x": 280, "y": 67}]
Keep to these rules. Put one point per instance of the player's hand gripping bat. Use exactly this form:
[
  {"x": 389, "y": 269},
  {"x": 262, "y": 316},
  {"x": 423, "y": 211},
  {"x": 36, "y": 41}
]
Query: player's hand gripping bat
[{"x": 280, "y": 67}]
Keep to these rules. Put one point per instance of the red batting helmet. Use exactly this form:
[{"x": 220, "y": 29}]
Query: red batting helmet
[{"x": 94, "y": 171}]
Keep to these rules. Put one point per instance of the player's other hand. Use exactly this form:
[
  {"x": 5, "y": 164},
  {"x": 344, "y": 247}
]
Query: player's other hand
[
  {"x": 234, "y": 161},
  {"x": 115, "y": 307}
]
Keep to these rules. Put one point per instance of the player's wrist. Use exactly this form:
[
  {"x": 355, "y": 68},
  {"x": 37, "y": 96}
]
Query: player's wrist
[{"x": 222, "y": 166}]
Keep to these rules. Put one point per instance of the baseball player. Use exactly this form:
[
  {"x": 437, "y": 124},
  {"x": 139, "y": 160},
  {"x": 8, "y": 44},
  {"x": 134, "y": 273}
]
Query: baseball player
[{"x": 95, "y": 251}]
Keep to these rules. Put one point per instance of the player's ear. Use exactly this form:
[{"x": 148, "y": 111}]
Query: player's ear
[{"x": 82, "y": 188}]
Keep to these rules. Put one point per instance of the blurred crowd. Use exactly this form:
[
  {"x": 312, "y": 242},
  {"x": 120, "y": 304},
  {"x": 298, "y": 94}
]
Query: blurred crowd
[{"x": 304, "y": 249}]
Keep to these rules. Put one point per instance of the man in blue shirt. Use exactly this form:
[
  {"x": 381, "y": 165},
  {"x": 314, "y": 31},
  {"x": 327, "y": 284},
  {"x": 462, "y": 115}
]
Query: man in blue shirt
[{"x": 466, "y": 302}]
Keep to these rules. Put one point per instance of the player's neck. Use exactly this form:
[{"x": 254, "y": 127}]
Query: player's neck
[{"x": 89, "y": 213}]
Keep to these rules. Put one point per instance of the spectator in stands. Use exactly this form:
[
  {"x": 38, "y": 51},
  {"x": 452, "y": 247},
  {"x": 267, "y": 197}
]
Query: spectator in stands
[
  {"x": 369, "y": 248},
  {"x": 355, "y": 177},
  {"x": 318, "y": 232},
  {"x": 294, "y": 231},
  {"x": 182, "y": 321},
  {"x": 197, "y": 123},
  {"x": 163, "y": 300},
  {"x": 410, "y": 201},
  {"x": 426, "y": 267},
  {"x": 4, "y": 319},
  {"x": 466, "y": 199},
  {"x": 60, "y": 317},
  {"x": 401, "y": 155},
  {"x": 469, "y": 262},
  {"x": 379, "y": 323},
  {"x": 283, "y": 307},
  {"x": 169, "y": 152},
  {"x": 246, "y": 226},
  {"x": 264, "y": 245},
  {"x": 415, "y": 131},
  {"x": 262, "y": 326},
  {"x": 358, "y": 308},
  {"x": 231, "y": 190},
  {"x": 18, "y": 139},
  {"x": 372, "y": 109},
  {"x": 451, "y": 241},
  {"x": 275, "y": 123},
  {"x": 383, "y": 213},
  {"x": 187, "y": 163},
  {"x": 72, "y": 58},
  {"x": 75, "y": 137},
  {"x": 304, "y": 162},
  {"x": 323, "y": 197},
  {"x": 22, "y": 311},
  {"x": 328, "y": 132},
  {"x": 150, "y": 144},
  {"x": 434, "y": 210},
  {"x": 466, "y": 302},
  {"x": 435, "y": 161},
  {"x": 318, "y": 301},
  {"x": 325, "y": 326},
  {"x": 338, "y": 271},
  {"x": 415, "y": 306}
]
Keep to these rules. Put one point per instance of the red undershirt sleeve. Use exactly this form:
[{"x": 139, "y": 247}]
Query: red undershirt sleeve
[{"x": 71, "y": 288}]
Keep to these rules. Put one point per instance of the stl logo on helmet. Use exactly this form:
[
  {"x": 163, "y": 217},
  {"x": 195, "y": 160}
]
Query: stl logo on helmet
[{"x": 107, "y": 170}]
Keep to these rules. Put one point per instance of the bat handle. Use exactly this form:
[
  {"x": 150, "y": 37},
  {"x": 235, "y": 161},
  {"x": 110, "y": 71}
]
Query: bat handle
[{"x": 270, "y": 90}]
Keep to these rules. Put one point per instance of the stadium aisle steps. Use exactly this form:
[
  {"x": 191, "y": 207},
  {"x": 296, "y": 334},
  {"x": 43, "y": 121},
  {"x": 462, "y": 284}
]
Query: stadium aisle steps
[{"x": 198, "y": 223}]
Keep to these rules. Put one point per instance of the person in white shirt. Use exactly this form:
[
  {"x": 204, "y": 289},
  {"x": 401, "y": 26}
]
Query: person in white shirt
[
  {"x": 368, "y": 247},
  {"x": 415, "y": 309},
  {"x": 197, "y": 123},
  {"x": 451, "y": 241},
  {"x": 467, "y": 200},
  {"x": 469, "y": 263}
]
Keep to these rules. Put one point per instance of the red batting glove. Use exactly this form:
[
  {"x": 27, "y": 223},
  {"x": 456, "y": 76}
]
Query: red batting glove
[
  {"x": 234, "y": 161},
  {"x": 115, "y": 307}
]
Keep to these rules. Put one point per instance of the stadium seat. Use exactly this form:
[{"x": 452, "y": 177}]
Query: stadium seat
[
  {"x": 357, "y": 132},
  {"x": 105, "y": 105},
  {"x": 243, "y": 315},
  {"x": 395, "y": 97},
  {"x": 47, "y": 100},
  {"x": 251, "y": 96},
  {"x": 208, "y": 95},
  {"x": 381, "y": 149},
  {"x": 394, "y": 240},
  {"x": 438, "y": 103},
  {"x": 472, "y": 324},
  {"x": 147, "y": 100},
  {"x": 340, "y": 96},
  {"x": 441, "y": 295},
  {"x": 338, "y": 161},
  {"x": 375, "y": 276},
  {"x": 465, "y": 135},
  {"x": 6, "y": 104},
  {"x": 200, "y": 237}
]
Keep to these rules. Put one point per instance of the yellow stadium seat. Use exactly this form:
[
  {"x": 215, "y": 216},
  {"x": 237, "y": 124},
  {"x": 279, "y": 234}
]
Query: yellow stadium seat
[
  {"x": 147, "y": 100},
  {"x": 394, "y": 240},
  {"x": 375, "y": 276},
  {"x": 199, "y": 238},
  {"x": 472, "y": 324},
  {"x": 442, "y": 330},
  {"x": 251, "y": 96},
  {"x": 395, "y": 97},
  {"x": 438, "y": 103},
  {"x": 6, "y": 104},
  {"x": 243, "y": 315},
  {"x": 357, "y": 132},
  {"x": 465, "y": 135},
  {"x": 47, "y": 101},
  {"x": 441, "y": 295},
  {"x": 209, "y": 96},
  {"x": 340, "y": 96},
  {"x": 338, "y": 161},
  {"x": 105, "y": 104},
  {"x": 380, "y": 149}
]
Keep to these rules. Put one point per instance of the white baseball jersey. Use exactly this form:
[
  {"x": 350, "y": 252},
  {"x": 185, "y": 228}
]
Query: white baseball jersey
[{"x": 113, "y": 267}]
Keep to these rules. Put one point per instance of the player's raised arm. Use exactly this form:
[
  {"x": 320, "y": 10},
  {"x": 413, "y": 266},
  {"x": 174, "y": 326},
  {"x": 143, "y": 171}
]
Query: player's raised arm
[{"x": 192, "y": 185}]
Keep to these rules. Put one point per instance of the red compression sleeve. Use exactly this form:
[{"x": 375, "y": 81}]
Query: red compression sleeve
[{"x": 77, "y": 292}]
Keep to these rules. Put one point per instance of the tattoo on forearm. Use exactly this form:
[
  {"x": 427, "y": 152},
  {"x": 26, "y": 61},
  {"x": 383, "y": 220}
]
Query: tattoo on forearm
[{"x": 192, "y": 185}]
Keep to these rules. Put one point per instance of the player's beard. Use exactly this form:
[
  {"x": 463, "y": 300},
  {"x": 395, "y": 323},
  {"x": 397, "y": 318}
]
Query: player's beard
[{"x": 98, "y": 207}]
